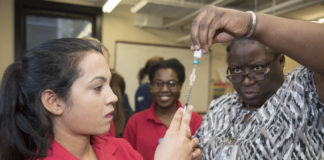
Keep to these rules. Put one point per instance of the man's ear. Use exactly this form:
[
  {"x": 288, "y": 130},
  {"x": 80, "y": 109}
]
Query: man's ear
[
  {"x": 282, "y": 60},
  {"x": 52, "y": 103}
]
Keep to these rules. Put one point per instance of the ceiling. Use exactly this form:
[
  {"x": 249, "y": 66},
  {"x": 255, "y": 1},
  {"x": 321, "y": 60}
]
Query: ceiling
[
  {"x": 185, "y": 10},
  {"x": 168, "y": 14}
]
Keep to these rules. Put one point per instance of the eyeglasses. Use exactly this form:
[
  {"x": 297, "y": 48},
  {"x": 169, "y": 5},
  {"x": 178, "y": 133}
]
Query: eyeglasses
[
  {"x": 158, "y": 84},
  {"x": 256, "y": 73}
]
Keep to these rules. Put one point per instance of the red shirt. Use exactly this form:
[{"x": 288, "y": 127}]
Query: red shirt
[
  {"x": 144, "y": 130},
  {"x": 111, "y": 131},
  {"x": 105, "y": 147}
]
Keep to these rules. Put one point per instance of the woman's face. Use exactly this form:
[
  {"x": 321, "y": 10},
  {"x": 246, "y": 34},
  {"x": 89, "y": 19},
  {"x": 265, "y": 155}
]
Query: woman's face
[
  {"x": 249, "y": 57},
  {"x": 89, "y": 108},
  {"x": 165, "y": 88}
]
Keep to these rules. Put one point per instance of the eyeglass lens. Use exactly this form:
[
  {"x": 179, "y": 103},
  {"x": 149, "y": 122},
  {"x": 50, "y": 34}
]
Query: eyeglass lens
[
  {"x": 170, "y": 84},
  {"x": 254, "y": 75}
]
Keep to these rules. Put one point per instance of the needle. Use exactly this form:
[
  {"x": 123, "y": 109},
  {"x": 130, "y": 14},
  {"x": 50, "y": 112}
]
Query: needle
[{"x": 192, "y": 78}]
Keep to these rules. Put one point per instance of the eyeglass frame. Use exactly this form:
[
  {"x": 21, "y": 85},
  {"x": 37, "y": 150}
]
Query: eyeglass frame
[
  {"x": 244, "y": 74},
  {"x": 167, "y": 83}
]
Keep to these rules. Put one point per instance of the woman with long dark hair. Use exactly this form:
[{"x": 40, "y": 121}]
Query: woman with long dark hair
[{"x": 56, "y": 101}]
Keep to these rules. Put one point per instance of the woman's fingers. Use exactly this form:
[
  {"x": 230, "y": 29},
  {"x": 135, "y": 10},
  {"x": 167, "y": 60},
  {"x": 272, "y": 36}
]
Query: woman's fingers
[
  {"x": 176, "y": 120},
  {"x": 186, "y": 120},
  {"x": 196, "y": 153}
]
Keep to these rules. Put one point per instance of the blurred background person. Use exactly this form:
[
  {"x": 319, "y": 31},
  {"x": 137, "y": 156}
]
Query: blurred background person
[
  {"x": 146, "y": 129},
  {"x": 121, "y": 113},
  {"x": 143, "y": 96}
]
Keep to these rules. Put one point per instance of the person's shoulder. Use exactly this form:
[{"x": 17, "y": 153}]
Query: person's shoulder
[
  {"x": 300, "y": 72},
  {"x": 58, "y": 152},
  {"x": 142, "y": 113},
  {"x": 226, "y": 98},
  {"x": 301, "y": 77},
  {"x": 223, "y": 102},
  {"x": 117, "y": 141},
  {"x": 139, "y": 115},
  {"x": 144, "y": 86},
  {"x": 123, "y": 149},
  {"x": 110, "y": 141},
  {"x": 195, "y": 115}
]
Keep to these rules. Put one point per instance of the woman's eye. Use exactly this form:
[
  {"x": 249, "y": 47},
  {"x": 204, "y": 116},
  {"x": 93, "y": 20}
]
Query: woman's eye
[
  {"x": 159, "y": 84},
  {"x": 98, "y": 88},
  {"x": 172, "y": 83}
]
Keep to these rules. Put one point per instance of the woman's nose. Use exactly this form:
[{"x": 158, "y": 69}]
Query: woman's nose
[
  {"x": 114, "y": 98},
  {"x": 164, "y": 87},
  {"x": 111, "y": 97}
]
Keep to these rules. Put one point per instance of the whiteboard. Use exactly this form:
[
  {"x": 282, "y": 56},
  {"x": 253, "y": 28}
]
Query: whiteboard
[{"x": 131, "y": 57}]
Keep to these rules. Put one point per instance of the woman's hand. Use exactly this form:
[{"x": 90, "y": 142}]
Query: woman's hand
[{"x": 177, "y": 143}]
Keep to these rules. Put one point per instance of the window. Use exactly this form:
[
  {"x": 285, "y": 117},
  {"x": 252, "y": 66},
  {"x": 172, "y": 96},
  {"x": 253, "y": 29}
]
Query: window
[{"x": 37, "y": 21}]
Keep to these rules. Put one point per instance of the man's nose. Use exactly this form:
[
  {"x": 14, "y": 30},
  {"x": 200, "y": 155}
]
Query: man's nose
[{"x": 247, "y": 79}]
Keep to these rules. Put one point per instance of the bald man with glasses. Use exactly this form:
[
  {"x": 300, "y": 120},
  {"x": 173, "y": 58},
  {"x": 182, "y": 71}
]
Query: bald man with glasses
[{"x": 269, "y": 116}]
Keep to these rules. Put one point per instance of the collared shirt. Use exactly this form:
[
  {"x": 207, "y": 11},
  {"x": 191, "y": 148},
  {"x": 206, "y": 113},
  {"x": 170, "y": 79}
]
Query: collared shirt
[
  {"x": 144, "y": 130},
  {"x": 289, "y": 125},
  {"x": 105, "y": 148},
  {"x": 111, "y": 131}
]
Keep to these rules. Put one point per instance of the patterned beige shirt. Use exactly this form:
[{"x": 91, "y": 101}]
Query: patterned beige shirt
[{"x": 290, "y": 125}]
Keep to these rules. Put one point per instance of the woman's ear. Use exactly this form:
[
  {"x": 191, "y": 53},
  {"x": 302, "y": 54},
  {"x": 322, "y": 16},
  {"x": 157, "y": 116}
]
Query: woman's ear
[{"x": 52, "y": 103}]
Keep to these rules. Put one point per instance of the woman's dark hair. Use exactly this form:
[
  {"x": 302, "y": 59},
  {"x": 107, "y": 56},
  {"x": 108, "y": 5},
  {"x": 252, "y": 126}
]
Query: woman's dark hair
[
  {"x": 96, "y": 42},
  {"x": 145, "y": 70},
  {"x": 243, "y": 41},
  {"x": 173, "y": 64},
  {"x": 117, "y": 84},
  {"x": 26, "y": 129}
]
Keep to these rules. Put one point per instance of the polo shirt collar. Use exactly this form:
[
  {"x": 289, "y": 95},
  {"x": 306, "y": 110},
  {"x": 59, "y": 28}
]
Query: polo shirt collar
[
  {"x": 151, "y": 112},
  {"x": 103, "y": 146},
  {"x": 59, "y": 152}
]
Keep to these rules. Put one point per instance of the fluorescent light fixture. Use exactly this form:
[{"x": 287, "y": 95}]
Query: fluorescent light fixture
[
  {"x": 320, "y": 20},
  {"x": 110, "y": 5}
]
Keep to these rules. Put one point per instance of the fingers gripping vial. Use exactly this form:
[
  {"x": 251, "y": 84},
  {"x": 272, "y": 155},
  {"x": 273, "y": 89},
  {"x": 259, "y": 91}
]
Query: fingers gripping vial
[{"x": 192, "y": 78}]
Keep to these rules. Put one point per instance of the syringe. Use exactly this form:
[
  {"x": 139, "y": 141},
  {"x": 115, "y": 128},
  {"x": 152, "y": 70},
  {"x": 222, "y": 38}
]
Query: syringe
[{"x": 192, "y": 78}]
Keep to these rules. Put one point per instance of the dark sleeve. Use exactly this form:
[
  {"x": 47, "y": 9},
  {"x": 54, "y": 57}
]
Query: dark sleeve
[{"x": 143, "y": 97}]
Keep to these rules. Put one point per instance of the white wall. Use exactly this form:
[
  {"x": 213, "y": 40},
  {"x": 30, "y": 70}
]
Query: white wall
[
  {"x": 117, "y": 26},
  {"x": 7, "y": 34}
]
